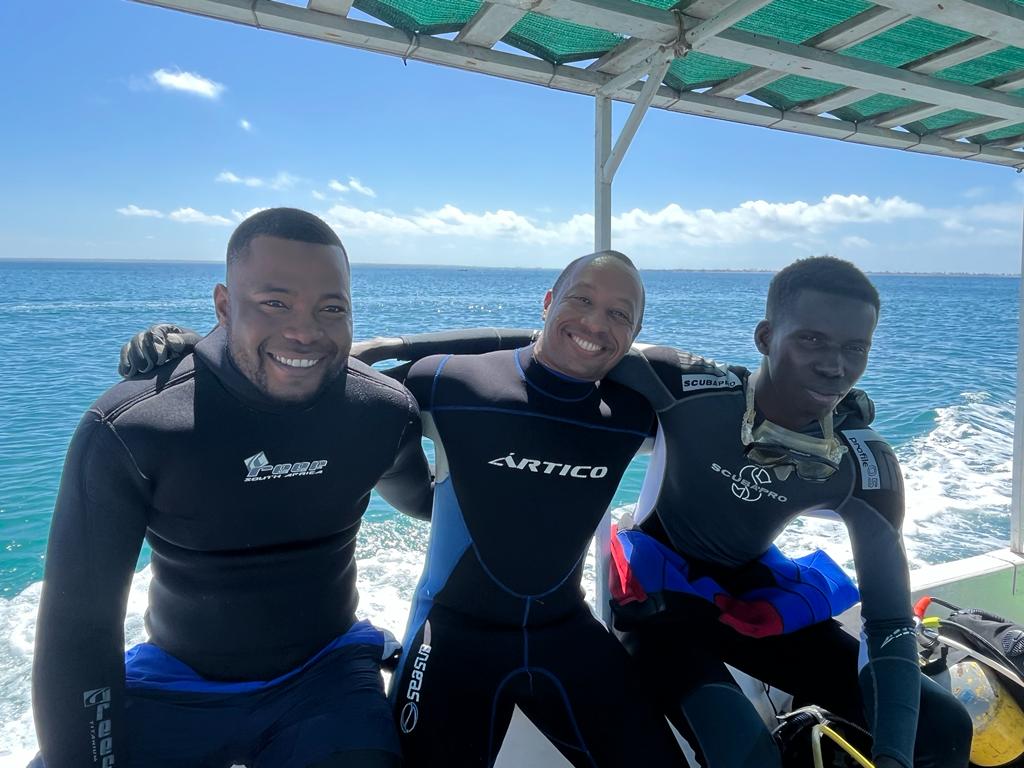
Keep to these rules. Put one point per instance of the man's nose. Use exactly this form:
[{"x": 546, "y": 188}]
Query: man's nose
[
  {"x": 305, "y": 330},
  {"x": 830, "y": 363}
]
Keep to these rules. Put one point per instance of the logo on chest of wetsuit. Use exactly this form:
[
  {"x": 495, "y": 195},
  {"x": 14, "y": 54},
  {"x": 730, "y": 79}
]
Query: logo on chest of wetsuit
[
  {"x": 749, "y": 484},
  {"x": 260, "y": 468},
  {"x": 710, "y": 381},
  {"x": 541, "y": 467}
]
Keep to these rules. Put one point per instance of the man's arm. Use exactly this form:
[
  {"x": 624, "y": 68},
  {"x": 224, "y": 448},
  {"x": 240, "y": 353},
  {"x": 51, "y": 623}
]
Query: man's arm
[
  {"x": 469, "y": 341},
  {"x": 889, "y": 675},
  {"x": 408, "y": 485},
  {"x": 95, "y": 536}
]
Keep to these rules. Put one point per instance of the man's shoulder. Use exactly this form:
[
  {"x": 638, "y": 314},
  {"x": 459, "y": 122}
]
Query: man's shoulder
[
  {"x": 365, "y": 381},
  {"x": 156, "y": 389},
  {"x": 683, "y": 373}
]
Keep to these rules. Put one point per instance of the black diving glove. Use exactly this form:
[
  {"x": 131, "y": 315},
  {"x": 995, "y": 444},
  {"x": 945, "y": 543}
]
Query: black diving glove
[{"x": 155, "y": 346}]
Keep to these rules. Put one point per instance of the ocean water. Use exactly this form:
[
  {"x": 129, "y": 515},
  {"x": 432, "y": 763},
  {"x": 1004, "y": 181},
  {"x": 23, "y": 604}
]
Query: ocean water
[{"x": 942, "y": 374}]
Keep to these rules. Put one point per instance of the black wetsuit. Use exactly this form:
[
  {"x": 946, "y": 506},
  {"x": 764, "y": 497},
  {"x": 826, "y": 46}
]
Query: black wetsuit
[
  {"x": 527, "y": 463},
  {"x": 703, "y": 498},
  {"x": 251, "y": 509}
]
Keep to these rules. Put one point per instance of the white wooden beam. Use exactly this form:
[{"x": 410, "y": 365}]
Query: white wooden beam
[
  {"x": 906, "y": 115},
  {"x": 635, "y": 19},
  {"x": 745, "y": 82},
  {"x": 1001, "y": 20},
  {"x": 851, "y": 32},
  {"x": 289, "y": 19},
  {"x": 975, "y": 127},
  {"x": 625, "y": 55},
  {"x": 489, "y": 24},
  {"x": 635, "y": 73},
  {"x": 956, "y": 54},
  {"x": 337, "y": 7},
  {"x": 636, "y": 116},
  {"x": 1010, "y": 142},
  {"x": 727, "y": 17},
  {"x": 833, "y": 101}
]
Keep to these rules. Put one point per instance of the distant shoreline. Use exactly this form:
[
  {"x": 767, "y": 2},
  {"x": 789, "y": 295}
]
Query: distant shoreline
[{"x": 724, "y": 270}]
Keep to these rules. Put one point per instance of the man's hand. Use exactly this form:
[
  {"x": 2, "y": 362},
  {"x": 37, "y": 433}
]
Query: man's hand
[
  {"x": 152, "y": 348},
  {"x": 374, "y": 350}
]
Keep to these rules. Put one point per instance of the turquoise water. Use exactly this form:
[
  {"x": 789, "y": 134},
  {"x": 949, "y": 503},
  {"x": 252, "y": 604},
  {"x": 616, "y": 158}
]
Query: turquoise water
[{"x": 941, "y": 374}]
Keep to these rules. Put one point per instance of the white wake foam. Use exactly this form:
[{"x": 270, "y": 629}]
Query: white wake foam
[{"x": 957, "y": 480}]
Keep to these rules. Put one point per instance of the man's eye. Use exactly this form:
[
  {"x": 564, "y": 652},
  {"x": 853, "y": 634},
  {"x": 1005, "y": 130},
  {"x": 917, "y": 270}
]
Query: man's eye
[
  {"x": 857, "y": 349},
  {"x": 275, "y": 303},
  {"x": 618, "y": 314},
  {"x": 581, "y": 299},
  {"x": 335, "y": 309}
]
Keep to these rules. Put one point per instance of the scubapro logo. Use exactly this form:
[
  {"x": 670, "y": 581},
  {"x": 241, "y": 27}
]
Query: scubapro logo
[
  {"x": 750, "y": 484},
  {"x": 260, "y": 468},
  {"x": 539, "y": 466}
]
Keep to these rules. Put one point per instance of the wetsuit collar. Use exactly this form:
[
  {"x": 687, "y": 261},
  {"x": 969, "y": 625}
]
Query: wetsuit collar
[
  {"x": 550, "y": 382},
  {"x": 213, "y": 352}
]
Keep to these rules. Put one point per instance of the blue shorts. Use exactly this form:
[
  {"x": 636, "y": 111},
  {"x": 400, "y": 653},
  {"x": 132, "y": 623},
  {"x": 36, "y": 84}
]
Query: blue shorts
[{"x": 333, "y": 703}]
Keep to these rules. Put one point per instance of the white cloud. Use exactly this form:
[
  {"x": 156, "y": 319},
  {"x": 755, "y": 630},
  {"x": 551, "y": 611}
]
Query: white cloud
[
  {"x": 362, "y": 189},
  {"x": 134, "y": 210},
  {"x": 855, "y": 241},
  {"x": 318, "y": 195},
  {"x": 282, "y": 180},
  {"x": 354, "y": 185},
  {"x": 751, "y": 221},
  {"x": 244, "y": 124},
  {"x": 192, "y": 216},
  {"x": 243, "y": 215},
  {"x": 972, "y": 193},
  {"x": 188, "y": 82},
  {"x": 228, "y": 177}
]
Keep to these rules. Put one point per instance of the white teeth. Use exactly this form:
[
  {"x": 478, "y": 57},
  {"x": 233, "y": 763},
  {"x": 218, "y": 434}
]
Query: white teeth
[
  {"x": 295, "y": 362},
  {"x": 586, "y": 345}
]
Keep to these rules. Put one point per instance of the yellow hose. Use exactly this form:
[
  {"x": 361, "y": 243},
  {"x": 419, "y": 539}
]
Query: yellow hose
[{"x": 847, "y": 747}]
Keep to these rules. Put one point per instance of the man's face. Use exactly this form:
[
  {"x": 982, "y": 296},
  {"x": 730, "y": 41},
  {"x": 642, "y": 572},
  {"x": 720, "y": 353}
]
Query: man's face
[
  {"x": 287, "y": 311},
  {"x": 592, "y": 321},
  {"x": 816, "y": 351}
]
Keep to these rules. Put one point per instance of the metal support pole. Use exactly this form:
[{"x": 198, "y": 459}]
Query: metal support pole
[
  {"x": 602, "y": 242},
  {"x": 1016, "y": 502},
  {"x": 602, "y": 186}
]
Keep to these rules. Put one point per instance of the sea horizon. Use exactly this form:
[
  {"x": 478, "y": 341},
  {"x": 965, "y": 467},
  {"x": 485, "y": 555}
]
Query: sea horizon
[{"x": 409, "y": 265}]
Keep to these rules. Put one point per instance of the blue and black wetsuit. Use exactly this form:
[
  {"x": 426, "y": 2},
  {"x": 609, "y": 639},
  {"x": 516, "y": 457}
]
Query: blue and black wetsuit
[
  {"x": 251, "y": 509},
  {"x": 706, "y": 501},
  {"x": 527, "y": 462}
]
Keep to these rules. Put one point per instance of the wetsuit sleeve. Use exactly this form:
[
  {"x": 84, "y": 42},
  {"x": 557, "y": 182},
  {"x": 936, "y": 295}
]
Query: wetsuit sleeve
[
  {"x": 407, "y": 485},
  {"x": 78, "y": 671},
  {"x": 468, "y": 341},
  {"x": 889, "y": 672}
]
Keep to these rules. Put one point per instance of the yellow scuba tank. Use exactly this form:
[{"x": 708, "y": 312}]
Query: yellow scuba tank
[{"x": 997, "y": 718}]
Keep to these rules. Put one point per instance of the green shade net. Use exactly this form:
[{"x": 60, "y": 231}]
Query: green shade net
[{"x": 792, "y": 21}]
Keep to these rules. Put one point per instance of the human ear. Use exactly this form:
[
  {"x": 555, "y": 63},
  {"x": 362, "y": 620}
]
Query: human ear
[{"x": 763, "y": 336}]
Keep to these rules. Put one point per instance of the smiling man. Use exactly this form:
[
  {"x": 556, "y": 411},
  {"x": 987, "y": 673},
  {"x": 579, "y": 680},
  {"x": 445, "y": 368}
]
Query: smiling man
[
  {"x": 737, "y": 456},
  {"x": 530, "y": 447},
  {"x": 246, "y": 466}
]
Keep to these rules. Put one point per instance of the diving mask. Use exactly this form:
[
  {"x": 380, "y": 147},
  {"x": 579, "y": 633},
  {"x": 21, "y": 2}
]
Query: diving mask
[{"x": 769, "y": 445}]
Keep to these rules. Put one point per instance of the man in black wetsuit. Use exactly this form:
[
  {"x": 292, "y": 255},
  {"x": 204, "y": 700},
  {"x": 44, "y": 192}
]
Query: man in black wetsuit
[
  {"x": 737, "y": 456},
  {"x": 246, "y": 466},
  {"x": 530, "y": 447}
]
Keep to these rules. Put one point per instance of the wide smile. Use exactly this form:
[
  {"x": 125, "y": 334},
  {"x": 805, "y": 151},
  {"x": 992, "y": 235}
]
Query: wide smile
[
  {"x": 585, "y": 345},
  {"x": 294, "y": 364}
]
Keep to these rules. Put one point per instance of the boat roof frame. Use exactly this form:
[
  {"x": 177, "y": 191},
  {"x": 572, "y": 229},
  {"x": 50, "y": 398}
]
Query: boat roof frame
[{"x": 652, "y": 38}]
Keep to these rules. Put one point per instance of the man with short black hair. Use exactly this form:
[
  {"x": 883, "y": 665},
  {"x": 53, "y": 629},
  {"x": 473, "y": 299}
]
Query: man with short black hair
[
  {"x": 247, "y": 467},
  {"x": 738, "y": 455}
]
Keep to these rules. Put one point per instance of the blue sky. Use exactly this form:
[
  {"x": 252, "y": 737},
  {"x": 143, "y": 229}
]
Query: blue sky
[{"x": 133, "y": 132}]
